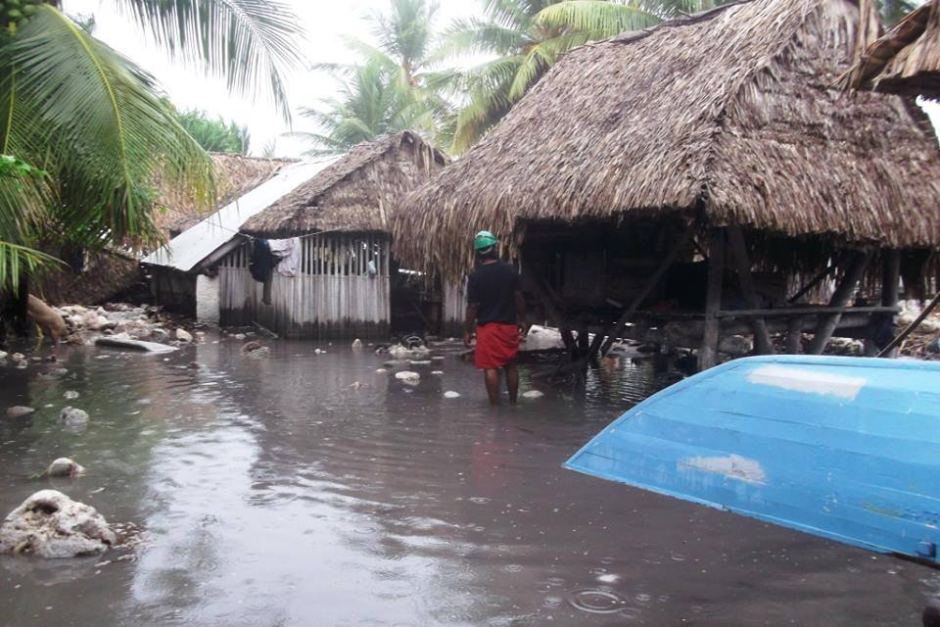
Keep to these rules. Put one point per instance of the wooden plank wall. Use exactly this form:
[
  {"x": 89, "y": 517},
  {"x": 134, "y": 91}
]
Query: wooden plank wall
[{"x": 334, "y": 294}]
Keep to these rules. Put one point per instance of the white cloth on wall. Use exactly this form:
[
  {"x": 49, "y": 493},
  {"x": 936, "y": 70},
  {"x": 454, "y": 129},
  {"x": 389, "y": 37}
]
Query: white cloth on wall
[{"x": 289, "y": 252}]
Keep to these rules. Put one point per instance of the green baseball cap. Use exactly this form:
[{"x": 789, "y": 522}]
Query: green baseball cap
[{"x": 484, "y": 240}]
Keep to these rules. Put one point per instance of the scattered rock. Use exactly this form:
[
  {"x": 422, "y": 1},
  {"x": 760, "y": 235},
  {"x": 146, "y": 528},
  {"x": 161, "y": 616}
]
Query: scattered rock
[
  {"x": 401, "y": 352},
  {"x": 18, "y": 357},
  {"x": 451, "y": 394},
  {"x": 357, "y": 344},
  {"x": 437, "y": 373},
  {"x": 408, "y": 377},
  {"x": 3, "y": 355},
  {"x": 239, "y": 336},
  {"x": 355, "y": 385},
  {"x": 533, "y": 394},
  {"x": 18, "y": 411},
  {"x": 183, "y": 335},
  {"x": 70, "y": 395},
  {"x": 73, "y": 417},
  {"x": 64, "y": 467},
  {"x": 381, "y": 371},
  {"x": 255, "y": 349},
  {"x": 51, "y": 525}
]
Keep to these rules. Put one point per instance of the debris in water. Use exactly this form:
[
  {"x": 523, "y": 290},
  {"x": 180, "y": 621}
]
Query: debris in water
[
  {"x": 255, "y": 349},
  {"x": 357, "y": 344},
  {"x": 73, "y": 417},
  {"x": 533, "y": 394},
  {"x": 18, "y": 411},
  {"x": 437, "y": 373},
  {"x": 408, "y": 377},
  {"x": 51, "y": 525},
  {"x": 451, "y": 394},
  {"x": 183, "y": 335},
  {"x": 64, "y": 467},
  {"x": 70, "y": 395},
  {"x": 381, "y": 371}
]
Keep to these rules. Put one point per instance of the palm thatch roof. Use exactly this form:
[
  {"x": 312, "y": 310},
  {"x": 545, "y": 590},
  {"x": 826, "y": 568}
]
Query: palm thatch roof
[
  {"x": 728, "y": 115},
  {"x": 177, "y": 209},
  {"x": 357, "y": 193},
  {"x": 906, "y": 60}
]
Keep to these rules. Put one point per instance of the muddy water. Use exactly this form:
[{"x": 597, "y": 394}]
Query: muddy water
[{"x": 307, "y": 489}]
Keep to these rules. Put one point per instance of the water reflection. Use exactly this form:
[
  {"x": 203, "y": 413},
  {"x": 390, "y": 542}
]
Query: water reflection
[{"x": 308, "y": 489}]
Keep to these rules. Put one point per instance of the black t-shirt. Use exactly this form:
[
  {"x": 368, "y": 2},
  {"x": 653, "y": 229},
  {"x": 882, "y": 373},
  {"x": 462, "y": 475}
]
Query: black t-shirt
[{"x": 493, "y": 287}]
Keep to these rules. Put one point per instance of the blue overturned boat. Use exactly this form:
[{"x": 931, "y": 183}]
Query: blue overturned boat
[{"x": 844, "y": 448}]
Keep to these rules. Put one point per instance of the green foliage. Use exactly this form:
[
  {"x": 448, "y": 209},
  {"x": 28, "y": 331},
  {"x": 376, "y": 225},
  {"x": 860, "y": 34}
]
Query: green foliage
[
  {"x": 97, "y": 126},
  {"x": 215, "y": 135}
]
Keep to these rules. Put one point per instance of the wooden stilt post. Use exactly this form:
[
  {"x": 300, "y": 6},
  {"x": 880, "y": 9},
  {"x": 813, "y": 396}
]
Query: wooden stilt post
[
  {"x": 827, "y": 324},
  {"x": 891, "y": 288},
  {"x": 795, "y": 335},
  {"x": 708, "y": 352},
  {"x": 651, "y": 284},
  {"x": 742, "y": 264}
]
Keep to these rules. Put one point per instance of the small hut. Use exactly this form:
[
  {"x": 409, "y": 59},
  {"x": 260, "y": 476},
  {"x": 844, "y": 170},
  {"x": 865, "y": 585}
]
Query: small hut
[
  {"x": 345, "y": 279},
  {"x": 904, "y": 61},
  {"x": 697, "y": 180},
  {"x": 183, "y": 272}
]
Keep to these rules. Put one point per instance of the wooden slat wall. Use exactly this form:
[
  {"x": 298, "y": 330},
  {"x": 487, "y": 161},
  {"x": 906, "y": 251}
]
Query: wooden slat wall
[{"x": 333, "y": 295}]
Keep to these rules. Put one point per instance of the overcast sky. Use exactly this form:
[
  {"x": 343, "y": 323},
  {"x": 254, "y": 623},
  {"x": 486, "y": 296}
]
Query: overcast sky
[{"x": 325, "y": 21}]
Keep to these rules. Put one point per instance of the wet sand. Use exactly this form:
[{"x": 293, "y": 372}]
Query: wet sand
[{"x": 307, "y": 489}]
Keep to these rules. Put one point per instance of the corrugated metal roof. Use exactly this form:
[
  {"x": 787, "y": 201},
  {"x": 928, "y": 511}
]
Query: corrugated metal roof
[{"x": 186, "y": 250}]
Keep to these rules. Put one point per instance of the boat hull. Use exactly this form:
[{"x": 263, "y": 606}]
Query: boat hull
[{"x": 844, "y": 448}]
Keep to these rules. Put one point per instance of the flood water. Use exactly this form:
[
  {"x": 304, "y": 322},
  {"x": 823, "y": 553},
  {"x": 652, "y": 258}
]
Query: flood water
[{"x": 308, "y": 489}]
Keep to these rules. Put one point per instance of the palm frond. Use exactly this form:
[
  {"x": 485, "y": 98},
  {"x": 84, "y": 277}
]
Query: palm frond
[
  {"x": 252, "y": 43},
  {"x": 16, "y": 260},
  {"x": 601, "y": 18},
  {"x": 94, "y": 121}
]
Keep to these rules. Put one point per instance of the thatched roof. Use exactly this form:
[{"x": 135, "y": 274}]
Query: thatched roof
[
  {"x": 729, "y": 115},
  {"x": 357, "y": 193},
  {"x": 235, "y": 175},
  {"x": 906, "y": 60}
]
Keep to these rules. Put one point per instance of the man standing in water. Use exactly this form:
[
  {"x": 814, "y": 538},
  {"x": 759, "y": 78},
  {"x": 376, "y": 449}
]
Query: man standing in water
[{"x": 496, "y": 314}]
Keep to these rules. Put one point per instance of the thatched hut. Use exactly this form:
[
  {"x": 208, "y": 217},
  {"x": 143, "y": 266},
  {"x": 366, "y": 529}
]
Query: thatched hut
[
  {"x": 183, "y": 272},
  {"x": 641, "y": 168},
  {"x": 906, "y": 60},
  {"x": 346, "y": 275}
]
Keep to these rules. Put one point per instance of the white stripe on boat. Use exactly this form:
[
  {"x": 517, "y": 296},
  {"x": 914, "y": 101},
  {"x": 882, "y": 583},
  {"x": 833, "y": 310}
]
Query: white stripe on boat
[{"x": 809, "y": 381}]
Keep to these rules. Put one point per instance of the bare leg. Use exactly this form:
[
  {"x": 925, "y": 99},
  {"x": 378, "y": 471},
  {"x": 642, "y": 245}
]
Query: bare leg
[
  {"x": 491, "y": 377},
  {"x": 512, "y": 382}
]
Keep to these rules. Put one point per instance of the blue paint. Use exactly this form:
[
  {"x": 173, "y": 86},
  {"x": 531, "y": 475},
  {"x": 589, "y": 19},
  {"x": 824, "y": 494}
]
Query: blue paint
[{"x": 840, "y": 447}]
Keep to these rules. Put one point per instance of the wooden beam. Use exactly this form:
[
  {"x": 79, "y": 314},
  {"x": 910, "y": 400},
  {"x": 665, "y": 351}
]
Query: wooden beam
[
  {"x": 827, "y": 324},
  {"x": 742, "y": 265},
  {"x": 708, "y": 352},
  {"x": 786, "y": 312},
  {"x": 651, "y": 284}
]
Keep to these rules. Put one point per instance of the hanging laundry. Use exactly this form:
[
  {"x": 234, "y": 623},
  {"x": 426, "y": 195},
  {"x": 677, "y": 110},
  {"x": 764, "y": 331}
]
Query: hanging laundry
[
  {"x": 261, "y": 266},
  {"x": 289, "y": 252}
]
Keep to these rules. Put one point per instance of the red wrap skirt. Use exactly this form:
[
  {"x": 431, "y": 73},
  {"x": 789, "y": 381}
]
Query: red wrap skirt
[{"x": 497, "y": 345}]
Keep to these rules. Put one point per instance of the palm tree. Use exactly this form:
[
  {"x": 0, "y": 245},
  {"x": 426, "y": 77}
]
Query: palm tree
[
  {"x": 96, "y": 126},
  {"x": 370, "y": 103},
  {"x": 526, "y": 37},
  {"x": 395, "y": 86}
]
